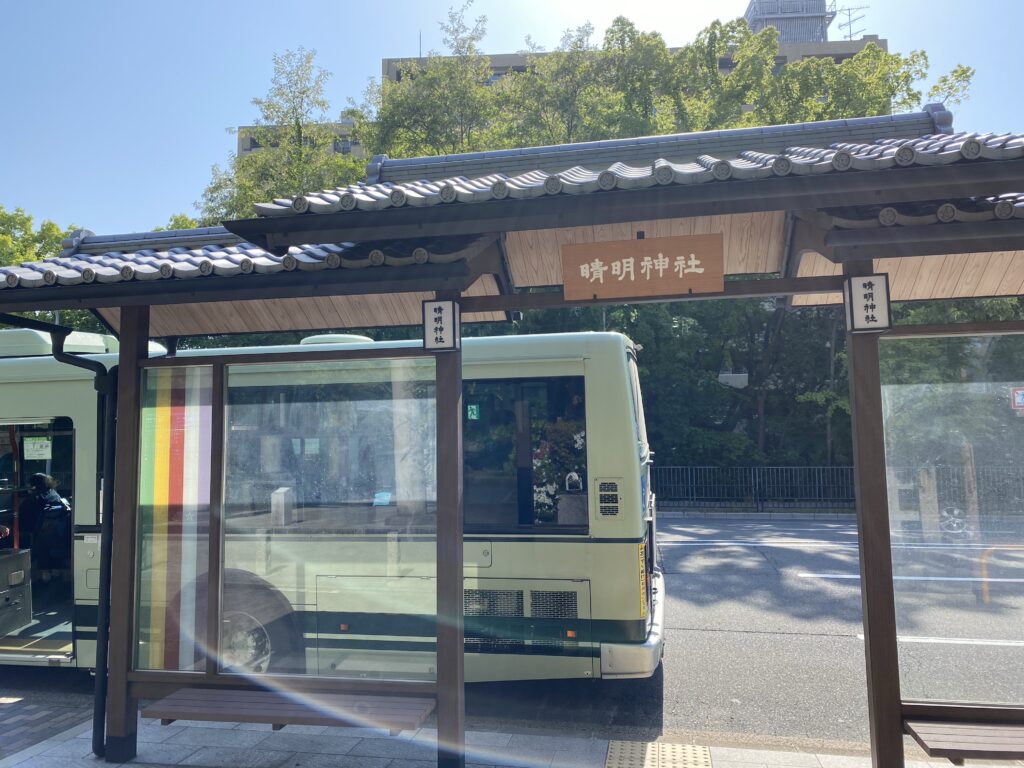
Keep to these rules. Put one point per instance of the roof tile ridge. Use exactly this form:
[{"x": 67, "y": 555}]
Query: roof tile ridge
[{"x": 80, "y": 243}]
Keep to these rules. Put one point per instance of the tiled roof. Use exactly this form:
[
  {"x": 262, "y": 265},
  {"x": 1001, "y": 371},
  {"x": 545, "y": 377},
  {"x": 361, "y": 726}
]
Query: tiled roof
[
  {"x": 678, "y": 148},
  {"x": 191, "y": 253},
  {"x": 974, "y": 209},
  {"x": 880, "y": 154}
]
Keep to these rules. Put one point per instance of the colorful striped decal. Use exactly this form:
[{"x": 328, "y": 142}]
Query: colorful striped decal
[{"x": 174, "y": 511}]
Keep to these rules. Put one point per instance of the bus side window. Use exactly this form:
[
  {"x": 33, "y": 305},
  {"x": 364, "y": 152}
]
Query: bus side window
[{"x": 525, "y": 454}]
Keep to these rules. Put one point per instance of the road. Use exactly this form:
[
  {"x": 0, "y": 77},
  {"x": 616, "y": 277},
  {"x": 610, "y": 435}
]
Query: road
[{"x": 764, "y": 641}]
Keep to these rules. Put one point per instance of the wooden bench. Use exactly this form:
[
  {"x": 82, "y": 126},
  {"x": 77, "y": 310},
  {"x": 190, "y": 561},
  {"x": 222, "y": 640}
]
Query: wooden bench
[
  {"x": 395, "y": 713},
  {"x": 958, "y": 741}
]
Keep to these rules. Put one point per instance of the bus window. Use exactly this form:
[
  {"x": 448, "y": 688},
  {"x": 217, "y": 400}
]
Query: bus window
[
  {"x": 638, "y": 403},
  {"x": 525, "y": 454}
]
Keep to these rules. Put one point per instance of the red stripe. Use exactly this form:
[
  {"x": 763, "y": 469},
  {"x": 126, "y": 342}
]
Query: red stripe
[{"x": 175, "y": 501}]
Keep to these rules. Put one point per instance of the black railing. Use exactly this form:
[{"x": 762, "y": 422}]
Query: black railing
[{"x": 754, "y": 489}]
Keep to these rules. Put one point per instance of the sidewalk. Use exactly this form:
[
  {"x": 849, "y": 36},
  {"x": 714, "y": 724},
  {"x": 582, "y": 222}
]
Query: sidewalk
[{"x": 231, "y": 745}]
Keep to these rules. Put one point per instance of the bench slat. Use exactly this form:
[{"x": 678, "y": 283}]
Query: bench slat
[
  {"x": 219, "y": 705},
  {"x": 958, "y": 740}
]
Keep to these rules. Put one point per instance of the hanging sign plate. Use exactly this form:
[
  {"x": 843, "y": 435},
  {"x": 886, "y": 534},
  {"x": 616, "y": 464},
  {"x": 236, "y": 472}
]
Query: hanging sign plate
[
  {"x": 867, "y": 303},
  {"x": 441, "y": 329},
  {"x": 640, "y": 269}
]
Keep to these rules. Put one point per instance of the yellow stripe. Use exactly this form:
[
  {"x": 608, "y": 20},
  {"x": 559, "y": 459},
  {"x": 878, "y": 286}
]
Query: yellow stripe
[{"x": 160, "y": 499}]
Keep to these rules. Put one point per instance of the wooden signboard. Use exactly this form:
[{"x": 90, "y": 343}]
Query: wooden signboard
[{"x": 640, "y": 269}]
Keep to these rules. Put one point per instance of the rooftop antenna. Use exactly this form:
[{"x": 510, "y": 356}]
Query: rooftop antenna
[
  {"x": 851, "y": 33},
  {"x": 421, "y": 43}
]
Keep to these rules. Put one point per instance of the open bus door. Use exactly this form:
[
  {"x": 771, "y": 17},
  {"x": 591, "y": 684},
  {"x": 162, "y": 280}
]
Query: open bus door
[{"x": 36, "y": 570}]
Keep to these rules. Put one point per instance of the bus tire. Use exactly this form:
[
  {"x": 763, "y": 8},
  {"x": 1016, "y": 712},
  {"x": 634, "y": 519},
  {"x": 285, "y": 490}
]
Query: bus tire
[{"x": 258, "y": 628}]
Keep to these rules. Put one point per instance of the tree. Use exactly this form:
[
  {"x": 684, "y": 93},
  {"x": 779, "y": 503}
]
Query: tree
[
  {"x": 560, "y": 98},
  {"x": 439, "y": 107},
  {"x": 21, "y": 242},
  {"x": 296, "y": 136}
]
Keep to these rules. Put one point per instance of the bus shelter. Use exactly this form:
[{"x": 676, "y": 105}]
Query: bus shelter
[{"x": 881, "y": 209}]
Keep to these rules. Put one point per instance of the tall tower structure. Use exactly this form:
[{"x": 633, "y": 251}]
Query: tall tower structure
[{"x": 798, "y": 21}]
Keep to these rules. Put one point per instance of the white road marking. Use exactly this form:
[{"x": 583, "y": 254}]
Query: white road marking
[
  {"x": 956, "y": 641},
  {"x": 908, "y": 578}
]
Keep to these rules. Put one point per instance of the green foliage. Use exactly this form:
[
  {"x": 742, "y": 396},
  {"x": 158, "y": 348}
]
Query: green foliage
[
  {"x": 442, "y": 106},
  {"x": 296, "y": 137},
  {"x": 178, "y": 221},
  {"x": 21, "y": 241}
]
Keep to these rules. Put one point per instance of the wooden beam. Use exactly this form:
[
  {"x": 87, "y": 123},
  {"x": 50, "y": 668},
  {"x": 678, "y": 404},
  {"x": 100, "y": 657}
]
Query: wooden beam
[
  {"x": 122, "y": 708},
  {"x": 957, "y": 329},
  {"x": 965, "y": 179},
  {"x": 734, "y": 289},
  {"x": 451, "y": 695},
  {"x": 209, "y": 635},
  {"x": 969, "y": 713},
  {"x": 928, "y": 240},
  {"x": 885, "y": 716}
]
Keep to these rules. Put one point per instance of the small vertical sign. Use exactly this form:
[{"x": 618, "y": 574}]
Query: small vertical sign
[
  {"x": 867, "y": 303},
  {"x": 441, "y": 325}
]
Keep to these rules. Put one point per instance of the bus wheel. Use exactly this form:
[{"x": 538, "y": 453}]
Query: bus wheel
[{"x": 256, "y": 630}]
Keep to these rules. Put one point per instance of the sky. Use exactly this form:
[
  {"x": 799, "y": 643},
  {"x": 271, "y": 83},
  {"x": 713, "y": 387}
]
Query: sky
[{"x": 112, "y": 112}]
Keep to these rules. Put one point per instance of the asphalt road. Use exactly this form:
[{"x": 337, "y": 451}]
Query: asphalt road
[{"x": 764, "y": 641}]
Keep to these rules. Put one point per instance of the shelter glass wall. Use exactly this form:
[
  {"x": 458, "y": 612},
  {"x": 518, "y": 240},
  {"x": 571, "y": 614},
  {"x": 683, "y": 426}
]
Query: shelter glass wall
[
  {"x": 173, "y": 517},
  {"x": 954, "y": 432},
  {"x": 330, "y": 519}
]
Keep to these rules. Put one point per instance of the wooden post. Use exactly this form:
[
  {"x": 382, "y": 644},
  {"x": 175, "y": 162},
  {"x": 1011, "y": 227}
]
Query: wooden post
[
  {"x": 451, "y": 697},
  {"x": 122, "y": 710},
  {"x": 885, "y": 716}
]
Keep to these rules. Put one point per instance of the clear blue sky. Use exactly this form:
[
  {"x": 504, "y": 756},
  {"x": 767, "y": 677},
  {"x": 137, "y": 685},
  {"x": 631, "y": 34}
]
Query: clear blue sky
[{"x": 113, "y": 111}]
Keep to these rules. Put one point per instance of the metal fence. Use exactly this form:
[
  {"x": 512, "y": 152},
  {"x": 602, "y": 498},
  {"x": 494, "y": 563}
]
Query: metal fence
[
  {"x": 999, "y": 488},
  {"x": 755, "y": 489}
]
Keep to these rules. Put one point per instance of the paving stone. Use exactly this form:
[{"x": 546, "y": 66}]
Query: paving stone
[
  {"x": 301, "y": 742},
  {"x": 310, "y": 760},
  {"x": 367, "y": 733},
  {"x": 553, "y": 743},
  {"x": 49, "y": 761},
  {"x": 397, "y": 749},
  {"x": 765, "y": 757},
  {"x": 233, "y": 757},
  {"x": 164, "y": 753},
  {"x": 71, "y": 748},
  {"x": 840, "y": 761},
  {"x": 217, "y": 737},
  {"x": 589, "y": 758},
  {"x": 154, "y": 734},
  {"x": 473, "y": 738},
  {"x": 313, "y": 730}
]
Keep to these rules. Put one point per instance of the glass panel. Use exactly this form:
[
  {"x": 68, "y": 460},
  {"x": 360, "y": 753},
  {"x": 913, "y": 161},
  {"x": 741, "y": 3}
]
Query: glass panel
[
  {"x": 330, "y": 519},
  {"x": 954, "y": 429},
  {"x": 525, "y": 454},
  {"x": 174, "y": 515}
]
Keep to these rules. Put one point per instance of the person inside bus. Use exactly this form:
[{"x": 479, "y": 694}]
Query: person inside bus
[{"x": 51, "y": 526}]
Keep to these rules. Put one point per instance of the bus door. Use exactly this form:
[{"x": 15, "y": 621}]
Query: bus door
[{"x": 36, "y": 569}]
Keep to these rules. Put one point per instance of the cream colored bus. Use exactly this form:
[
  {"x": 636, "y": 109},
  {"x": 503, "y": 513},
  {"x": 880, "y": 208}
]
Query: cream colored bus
[{"x": 328, "y": 511}]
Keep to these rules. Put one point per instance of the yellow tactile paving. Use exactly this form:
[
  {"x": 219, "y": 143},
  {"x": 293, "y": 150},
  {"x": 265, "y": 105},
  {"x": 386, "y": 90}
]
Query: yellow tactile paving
[{"x": 649, "y": 754}]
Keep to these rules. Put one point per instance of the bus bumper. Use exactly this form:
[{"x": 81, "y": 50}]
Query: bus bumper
[{"x": 619, "y": 660}]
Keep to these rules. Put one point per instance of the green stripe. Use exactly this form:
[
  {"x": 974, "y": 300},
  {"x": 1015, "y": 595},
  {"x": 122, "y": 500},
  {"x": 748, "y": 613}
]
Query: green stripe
[
  {"x": 406, "y": 645},
  {"x": 484, "y": 627}
]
